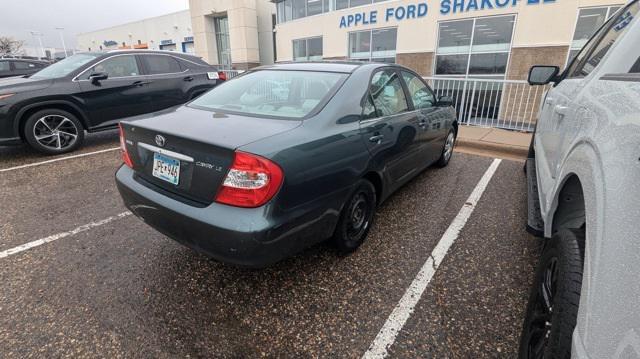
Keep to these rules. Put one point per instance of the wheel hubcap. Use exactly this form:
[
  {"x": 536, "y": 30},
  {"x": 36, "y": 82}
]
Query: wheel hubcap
[
  {"x": 448, "y": 146},
  {"x": 55, "y": 132},
  {"x": 358, "y": 220}
]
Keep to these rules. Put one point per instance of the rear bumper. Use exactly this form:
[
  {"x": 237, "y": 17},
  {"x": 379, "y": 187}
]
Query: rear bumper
[{"x": 240, "y": 236}]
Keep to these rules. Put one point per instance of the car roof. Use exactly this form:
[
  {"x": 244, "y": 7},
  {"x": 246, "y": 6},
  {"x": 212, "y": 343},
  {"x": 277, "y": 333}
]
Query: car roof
[
  {"x": 22, "y": 60},
  {"x": 325, "y": 66},
  {"x": 321, "y": 66},
  {"x": 143, "y": 51}
]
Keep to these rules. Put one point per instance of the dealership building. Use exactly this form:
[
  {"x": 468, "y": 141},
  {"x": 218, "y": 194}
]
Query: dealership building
[{"x": 497, "y": 39}]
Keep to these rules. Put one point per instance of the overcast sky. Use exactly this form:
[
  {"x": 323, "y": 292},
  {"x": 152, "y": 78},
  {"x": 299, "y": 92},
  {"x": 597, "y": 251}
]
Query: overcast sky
[{"x": 18, "y": 17}]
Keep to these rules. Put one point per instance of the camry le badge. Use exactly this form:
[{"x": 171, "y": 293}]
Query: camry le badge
[{"x": 160, "y": 140}]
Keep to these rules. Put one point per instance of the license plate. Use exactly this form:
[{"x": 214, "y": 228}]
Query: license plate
[{"x": 166, "y": 168}]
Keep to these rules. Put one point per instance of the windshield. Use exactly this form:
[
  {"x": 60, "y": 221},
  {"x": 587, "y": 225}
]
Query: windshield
[
  {"x": 64, "y": 67},
  {"x": 286, "y": 94}
]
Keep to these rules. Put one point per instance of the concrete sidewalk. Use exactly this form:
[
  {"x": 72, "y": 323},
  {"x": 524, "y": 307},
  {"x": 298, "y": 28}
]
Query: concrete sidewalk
[{"x": 493, "y": 142}]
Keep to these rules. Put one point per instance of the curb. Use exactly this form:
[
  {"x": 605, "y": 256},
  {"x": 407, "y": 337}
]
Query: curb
[{"x": 516, "y": 151}]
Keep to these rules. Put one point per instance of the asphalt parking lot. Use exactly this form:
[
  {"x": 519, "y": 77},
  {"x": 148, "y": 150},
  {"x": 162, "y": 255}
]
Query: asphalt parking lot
[{"x": 103, "y": 284}]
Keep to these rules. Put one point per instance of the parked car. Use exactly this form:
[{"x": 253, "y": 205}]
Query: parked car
[
  {"x": 20, "y": 67},
  {"x": 283, "y": 157},
  {"x": 584, "y": 192},
  {"x": 52, "y": 108}
]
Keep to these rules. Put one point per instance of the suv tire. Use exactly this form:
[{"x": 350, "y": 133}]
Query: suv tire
[
  {"x": 53, "y": 131},
  {"x": 552, "y": 311}
]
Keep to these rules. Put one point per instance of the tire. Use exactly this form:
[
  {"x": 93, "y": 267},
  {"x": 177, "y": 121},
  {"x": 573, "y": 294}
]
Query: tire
[
  {"x": 41, "y": 132},
  {"x": 549, "y": 324},
  {"x": 447, "y": 149},
  {"x": 356, "y": 218}
]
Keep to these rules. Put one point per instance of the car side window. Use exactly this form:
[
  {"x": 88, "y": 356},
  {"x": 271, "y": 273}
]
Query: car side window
[
  {"x": 420, "y": 93},
  {"x": 387, "y": 93},
  {"x": 369, "y": 109},
  {"x": 635, "y": 69},
  {"x": 19, "y": 65},
  {"x": 4, "y": 66},
  {"x": 160, "y": 64},
  {"x": 599, "y": 45},
  {"x": 117, "y": 66}
]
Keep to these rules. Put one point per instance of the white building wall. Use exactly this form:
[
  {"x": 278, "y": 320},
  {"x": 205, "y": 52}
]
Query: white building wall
[
  {"x": 537, "y": 25},
  {"x": 250, "y": 30},
  {"x": 152, "y": 31}
]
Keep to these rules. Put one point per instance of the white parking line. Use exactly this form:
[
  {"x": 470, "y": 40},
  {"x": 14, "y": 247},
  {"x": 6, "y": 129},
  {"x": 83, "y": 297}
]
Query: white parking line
[
  {"x": 55, "y": 237},
  {"x": 387, "y": 335},
  {"x": 57, "y": 160}
]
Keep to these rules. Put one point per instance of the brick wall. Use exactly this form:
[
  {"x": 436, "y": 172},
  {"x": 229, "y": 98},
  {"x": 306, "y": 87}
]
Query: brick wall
[
  {"x": 244, "y": 65},
  {"x": 421, "y": 62},
  {"x": 522, "y": 58},
  {"x": 520, "y": 102}
]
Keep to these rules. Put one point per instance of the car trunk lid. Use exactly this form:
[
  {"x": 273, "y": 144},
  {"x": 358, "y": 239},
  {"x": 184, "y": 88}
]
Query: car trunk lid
[{"x": 187, "y": 152}]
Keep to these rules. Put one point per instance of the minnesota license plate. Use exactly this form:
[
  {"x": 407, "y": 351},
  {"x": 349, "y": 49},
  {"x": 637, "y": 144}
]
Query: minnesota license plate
[{"x": 166, "y": 168}]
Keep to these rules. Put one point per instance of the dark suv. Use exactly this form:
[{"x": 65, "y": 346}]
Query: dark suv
[
  {"x": 20, "y": 67},
  {"x": 51, "y": 109}
]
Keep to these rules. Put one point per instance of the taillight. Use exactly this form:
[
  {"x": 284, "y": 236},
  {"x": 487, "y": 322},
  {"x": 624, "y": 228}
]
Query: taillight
[
  {"x": 222, "y": 75},
  {"x": 123, "y": 148},
  {"x": 251, "y": 181}
]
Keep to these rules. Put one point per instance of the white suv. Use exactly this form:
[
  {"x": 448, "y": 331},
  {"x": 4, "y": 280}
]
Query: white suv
[{"x": 584, "y": 197}]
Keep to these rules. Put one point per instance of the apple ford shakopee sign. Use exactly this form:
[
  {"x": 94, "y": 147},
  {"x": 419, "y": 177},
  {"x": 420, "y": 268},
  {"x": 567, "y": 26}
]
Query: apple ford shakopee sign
[{"x": 421, "y": 9}]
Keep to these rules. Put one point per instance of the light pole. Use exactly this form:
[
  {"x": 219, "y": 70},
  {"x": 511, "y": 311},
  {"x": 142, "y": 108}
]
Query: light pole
[
  {"x": 39, "y": 36},
  {"x": 64, "y": 46}
]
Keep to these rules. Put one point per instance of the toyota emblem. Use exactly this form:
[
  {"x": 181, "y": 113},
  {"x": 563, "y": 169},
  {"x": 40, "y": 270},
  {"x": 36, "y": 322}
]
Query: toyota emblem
[{"x": 160, "y": 140}]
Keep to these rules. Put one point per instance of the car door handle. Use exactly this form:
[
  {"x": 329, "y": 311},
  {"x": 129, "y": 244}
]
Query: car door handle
[
  {"x": 141, "y": 83},
  {"x": 376, "y": 139},
  {"x": 188, "y": 78},
  {"x": 560, "y": 110}
]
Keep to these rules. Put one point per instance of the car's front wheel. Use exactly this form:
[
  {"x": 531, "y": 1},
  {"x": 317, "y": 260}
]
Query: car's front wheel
[
  {"x": 356, "y": 218},
  {"x": 53, "y": 131},
  {"x": 552, "y": 311},
  {"x": 447, "y": 150}
]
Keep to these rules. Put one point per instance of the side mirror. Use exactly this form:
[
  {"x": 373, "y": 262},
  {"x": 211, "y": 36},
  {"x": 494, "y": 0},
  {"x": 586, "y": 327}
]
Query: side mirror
[
  {"x": 96, "y": 77},
  {"x": 445, "y": 101},
  {"x": 542, "y": 75}
]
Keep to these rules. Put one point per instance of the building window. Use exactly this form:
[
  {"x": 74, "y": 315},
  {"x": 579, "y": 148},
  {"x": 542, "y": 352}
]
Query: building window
[
  {"x": 299, "y": 9},
  {"x": 307, "y": 49},
  {"x": 288, "y": 10},
  {"x": 478, "y": 47},
  {"x": 343, "y": 4},
  {"x": 373, "y": 45},
  {"x": 589, "y": 20},
  {"x": 222, "y": 41}
]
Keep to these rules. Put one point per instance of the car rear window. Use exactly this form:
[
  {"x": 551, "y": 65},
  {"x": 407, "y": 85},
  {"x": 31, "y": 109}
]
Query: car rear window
[
  {"x": 273, "y": 93},
  {"x": 160, "y": 64}
]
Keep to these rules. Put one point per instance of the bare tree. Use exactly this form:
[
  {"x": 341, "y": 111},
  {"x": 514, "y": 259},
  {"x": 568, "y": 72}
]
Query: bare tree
[{"x": 10, "y": 47}]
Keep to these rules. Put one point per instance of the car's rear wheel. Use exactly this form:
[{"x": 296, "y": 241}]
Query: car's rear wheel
[
  {"x": 552, "y": 311},
  {"x": 447, "y": 150},
  {"x": 53, "y": 131},
  {"x": 356, "y": 218}
]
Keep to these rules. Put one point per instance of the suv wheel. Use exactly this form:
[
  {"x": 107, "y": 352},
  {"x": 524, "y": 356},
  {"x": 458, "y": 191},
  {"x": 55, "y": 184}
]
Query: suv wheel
[
  {"x": 53, "y": 131},
  {"x": 553, "y": 304}
]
